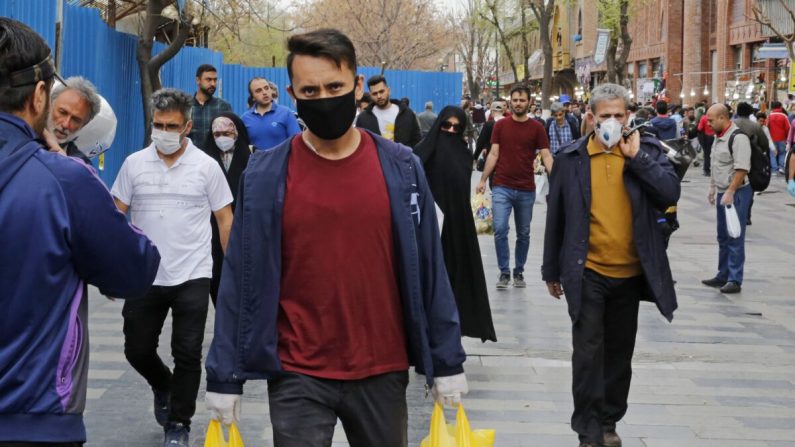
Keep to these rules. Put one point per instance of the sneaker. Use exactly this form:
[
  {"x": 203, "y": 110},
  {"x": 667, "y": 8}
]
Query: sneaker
[
  {"x": 731, "y": 287},
  {"x": 504, "y": 281},
  {"x": 714, "y": 282},
  {"x": 518, "y": 281},
  {"x": 176, "y": 435},
  {"x": 161, "y": 406},
  {"x": 611, "y": 439}
]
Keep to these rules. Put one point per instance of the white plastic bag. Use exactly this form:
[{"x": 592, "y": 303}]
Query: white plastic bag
[
  {"x": 542, "y": 188},
  {"x": 732, "y": 221}
]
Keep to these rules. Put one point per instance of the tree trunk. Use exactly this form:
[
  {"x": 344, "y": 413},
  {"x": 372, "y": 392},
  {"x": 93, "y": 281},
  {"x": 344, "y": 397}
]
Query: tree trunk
[
  {"x": 508, "y": 53},
  {"x": 543, "y": 10},
  {"x": 525, "y": 45},
  {"x": 148, "y": 66},
  {"x": 610, "y": 59},
  {"x": 626, "y": 43}
]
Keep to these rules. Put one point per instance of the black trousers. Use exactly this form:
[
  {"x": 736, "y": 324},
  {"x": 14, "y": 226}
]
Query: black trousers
[
  {"x": 604, "y": 340},
  {"x": 40, "y": 444},
  {"x": 706, "y": 145},
  {"x": 143, "y": 322},
  {"x": 373, "y": 411}
]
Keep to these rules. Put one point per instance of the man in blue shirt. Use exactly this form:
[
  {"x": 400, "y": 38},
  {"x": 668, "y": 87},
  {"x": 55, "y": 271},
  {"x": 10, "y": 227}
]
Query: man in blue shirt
[{"x": 268, "y": 123}]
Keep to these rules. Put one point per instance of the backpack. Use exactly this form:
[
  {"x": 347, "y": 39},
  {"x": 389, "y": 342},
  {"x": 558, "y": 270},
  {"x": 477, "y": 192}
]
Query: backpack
[{"x": 759, "y": 174}]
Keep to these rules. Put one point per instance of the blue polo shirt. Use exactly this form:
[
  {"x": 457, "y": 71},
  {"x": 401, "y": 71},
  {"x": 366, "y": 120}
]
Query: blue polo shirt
[{"x": 268, "y": 130}]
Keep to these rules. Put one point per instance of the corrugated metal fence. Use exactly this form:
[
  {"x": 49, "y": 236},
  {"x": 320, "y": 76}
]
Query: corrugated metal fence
[{"x": 107, "y": 57}]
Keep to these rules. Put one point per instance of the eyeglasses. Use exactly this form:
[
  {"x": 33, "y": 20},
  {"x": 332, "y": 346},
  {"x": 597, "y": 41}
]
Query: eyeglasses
[
  {"x": 168, "y": 127},
  {"x": 447, "y": 125}
]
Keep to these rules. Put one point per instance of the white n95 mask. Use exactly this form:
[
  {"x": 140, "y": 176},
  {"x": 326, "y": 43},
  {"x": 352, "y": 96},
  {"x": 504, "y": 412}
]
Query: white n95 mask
[{"x": 609, "y": 132}]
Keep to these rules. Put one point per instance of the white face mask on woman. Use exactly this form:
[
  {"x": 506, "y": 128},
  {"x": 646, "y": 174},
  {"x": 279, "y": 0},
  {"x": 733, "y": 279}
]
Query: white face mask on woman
[{"x": 226, "y": 144}]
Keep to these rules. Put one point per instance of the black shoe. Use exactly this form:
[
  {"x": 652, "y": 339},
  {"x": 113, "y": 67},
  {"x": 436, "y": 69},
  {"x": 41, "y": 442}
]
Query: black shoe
[
  {"x": 611, "y": 439},
  {"x": 518, "y": 281},
  {"x": 177, "y": 435},
  {"x": 161, "y": 406},
  {"x": 748, "y": 223},
  {"x": 504, "y": 281},
  {"x": 731, "y": 287},
  {"x": 714, "y": 282}
]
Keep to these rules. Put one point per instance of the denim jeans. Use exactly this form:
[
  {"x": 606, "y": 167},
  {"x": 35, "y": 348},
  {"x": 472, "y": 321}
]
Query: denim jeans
[
  {"x": 731, "y": 251},
  {"x": 778, "y": 161},
  {"x": 143, "y": 322},
  {"x": 373, "y": 410},
  {"x": 503, "y": 200}
]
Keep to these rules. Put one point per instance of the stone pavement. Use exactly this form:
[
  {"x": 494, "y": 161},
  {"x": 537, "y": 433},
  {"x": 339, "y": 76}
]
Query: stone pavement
[{"x": 722, "y": 374}]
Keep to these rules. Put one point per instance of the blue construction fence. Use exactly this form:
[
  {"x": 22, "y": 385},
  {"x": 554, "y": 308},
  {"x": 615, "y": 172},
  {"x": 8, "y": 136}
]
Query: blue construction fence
[{"x": 108, "y": 58}]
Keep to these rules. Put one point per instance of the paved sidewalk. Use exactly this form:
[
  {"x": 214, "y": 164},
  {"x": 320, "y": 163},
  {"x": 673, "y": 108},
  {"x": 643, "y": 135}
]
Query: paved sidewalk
[{"x": 722, "y": 374}]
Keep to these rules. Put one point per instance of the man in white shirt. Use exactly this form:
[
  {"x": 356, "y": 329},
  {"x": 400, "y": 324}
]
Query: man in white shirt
[
  {"x": 389, "y": 118},
  {"x": 170, "y": 188}
]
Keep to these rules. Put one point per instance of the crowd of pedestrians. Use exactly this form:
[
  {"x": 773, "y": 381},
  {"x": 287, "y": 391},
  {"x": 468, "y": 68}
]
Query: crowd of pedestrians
[{"x": 276, "y": 216}]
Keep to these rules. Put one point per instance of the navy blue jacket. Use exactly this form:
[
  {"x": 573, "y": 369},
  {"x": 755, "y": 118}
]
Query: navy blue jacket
[
  {"x": 664, "y": 128},
  {"x": 245, "y": 345},
  {"x": 652, "y": 185},
  {"x": 60, "y": 230}
]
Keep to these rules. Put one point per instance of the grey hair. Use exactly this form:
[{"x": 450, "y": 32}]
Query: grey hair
[
  {"x": 608, "y": 92},
  {"x": 85, "y": 89},
  {"x": 556, "y": 107},
  {"x": 172, "y": 99},
  {"x": 429, "y": 105}
]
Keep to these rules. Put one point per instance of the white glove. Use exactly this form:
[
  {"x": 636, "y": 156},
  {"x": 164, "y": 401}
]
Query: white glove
[
  {"x": 224, "y": 408},
  {"x": 448, "y": 390}
]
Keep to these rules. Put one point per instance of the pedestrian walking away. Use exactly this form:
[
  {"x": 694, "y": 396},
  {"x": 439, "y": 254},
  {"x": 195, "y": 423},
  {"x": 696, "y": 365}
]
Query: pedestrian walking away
[
  {"x": 268, "y": 123},
  {"x": 729, "y": 187},
  {"x": 448, "y": 167},
  {"x": 388, "y": 117},
  {"x": 779, "y": 124},
  {"x": 170, "y": 188},
  {"x": 603, "y": 249},
  {"x": 205, "y": 104},
  {"x": 53, "y": 208},
  {"x": 230, "y": 147},
  {"x": 334, "y": 281},
  {"x": 515, "y": 142},
  {"x": 426, "y": 118}
]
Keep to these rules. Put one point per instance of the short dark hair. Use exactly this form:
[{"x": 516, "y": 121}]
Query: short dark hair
[
  {"x": 250, "y": 99},
  {"x": 375, "y": 80},
  {"x": 520, "y": 89},
  {"x": 20, "y": 48},
  {"x": 744, "y": 109},
  {"x": 761, "y": 115},
  {"x": 326, "y": 42},
  {"x": 775, "y": 105},
  {"x": 366, "y": 98},
  {"x": 662, "y": 107},
  {"x": 204, "y": 68}
]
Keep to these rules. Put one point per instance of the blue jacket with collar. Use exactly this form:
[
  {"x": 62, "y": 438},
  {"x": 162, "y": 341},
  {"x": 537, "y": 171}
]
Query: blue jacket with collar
[
  {"x": 652, "y": 185},
  {"x": 245, "y": 345}
]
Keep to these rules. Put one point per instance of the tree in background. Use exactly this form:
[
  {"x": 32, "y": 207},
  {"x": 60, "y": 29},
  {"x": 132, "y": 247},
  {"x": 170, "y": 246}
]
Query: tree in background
[
  {"x": 614, "y": 16},
  {"x": 544, "y": 11},
  {"x": 496, "y": 14},
  {"x": 474, "y": 38},
  {"x": 395, "y": 34},
  {"x": 761, "y": 16}
]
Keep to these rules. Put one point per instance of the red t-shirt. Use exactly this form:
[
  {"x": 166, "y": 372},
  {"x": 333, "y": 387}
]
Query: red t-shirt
[
  {"x": 703, "y": 126},
  {"x": 519, "y": 143},
  {"x": 340, "y": 314}
]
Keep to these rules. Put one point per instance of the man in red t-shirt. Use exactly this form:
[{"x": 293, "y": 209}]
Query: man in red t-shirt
[
  {"x": 515, "y": 142},
  {"x": 335, "y": 282}
]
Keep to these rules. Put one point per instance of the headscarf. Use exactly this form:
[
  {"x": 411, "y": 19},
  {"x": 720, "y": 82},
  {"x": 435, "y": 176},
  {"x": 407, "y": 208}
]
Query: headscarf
[
  {"x": 224, "y": 124},
  {"x": 429, "y": 145}
]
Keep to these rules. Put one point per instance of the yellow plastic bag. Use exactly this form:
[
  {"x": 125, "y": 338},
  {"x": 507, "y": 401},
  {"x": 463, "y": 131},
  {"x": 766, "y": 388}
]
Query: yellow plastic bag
[
  {"x": 455, "y": 435},
  {"x": 481, "y": 211},
  {"x": 215, "y": 436}
]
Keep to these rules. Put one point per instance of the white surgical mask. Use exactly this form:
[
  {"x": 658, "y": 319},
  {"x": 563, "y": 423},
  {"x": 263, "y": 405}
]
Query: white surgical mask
[
  {"x": 226, "y": 144},
  {"x": 166, "y": 142},
  {"x": 609, "y": 132}
]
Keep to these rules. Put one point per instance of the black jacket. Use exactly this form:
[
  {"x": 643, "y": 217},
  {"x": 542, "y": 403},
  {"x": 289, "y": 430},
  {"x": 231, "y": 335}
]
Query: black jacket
[
  {"x": 652, "y": 185},
  {"x": 407, "y": 129}
]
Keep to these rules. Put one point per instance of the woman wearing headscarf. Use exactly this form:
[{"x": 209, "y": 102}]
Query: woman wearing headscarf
[
  {"x": 448, "y": 167},
  {"x": 228, "y": 145}
]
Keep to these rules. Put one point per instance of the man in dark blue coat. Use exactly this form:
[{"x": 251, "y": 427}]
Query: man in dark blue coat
[{"x": 604, "y": 246}]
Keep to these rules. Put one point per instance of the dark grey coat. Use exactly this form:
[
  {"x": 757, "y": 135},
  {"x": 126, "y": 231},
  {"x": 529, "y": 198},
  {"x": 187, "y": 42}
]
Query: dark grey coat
[{"x": 652, "y": 185}]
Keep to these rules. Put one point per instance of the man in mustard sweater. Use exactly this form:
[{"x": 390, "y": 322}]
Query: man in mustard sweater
[{"x": 604, "y": 247}]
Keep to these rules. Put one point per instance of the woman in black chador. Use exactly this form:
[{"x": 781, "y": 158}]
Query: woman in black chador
[{"x": 448, "y": 166}]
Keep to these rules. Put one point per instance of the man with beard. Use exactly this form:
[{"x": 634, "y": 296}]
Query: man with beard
[
  {"x": 389, "y": 118},
  {"x": 60, "y": 231},
  {"x": 74, "y": 104},
  {"x": 334, "y": 281},
  {"x": 205, "y": 105},
  {"x": 515, "y": 142},
  {"x": 268, "y": 123}
]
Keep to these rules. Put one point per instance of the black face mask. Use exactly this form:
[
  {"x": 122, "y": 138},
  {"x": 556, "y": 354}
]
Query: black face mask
[{"x": 328, "y": 118}]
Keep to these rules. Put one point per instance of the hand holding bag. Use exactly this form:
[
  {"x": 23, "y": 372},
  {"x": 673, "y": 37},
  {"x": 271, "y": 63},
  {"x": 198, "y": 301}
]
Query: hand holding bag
[{"x": 732, "y": 222}]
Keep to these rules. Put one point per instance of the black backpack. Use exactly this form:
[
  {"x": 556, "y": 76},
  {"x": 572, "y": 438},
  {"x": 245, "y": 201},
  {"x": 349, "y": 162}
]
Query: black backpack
[{"x": 759, "y": 175}]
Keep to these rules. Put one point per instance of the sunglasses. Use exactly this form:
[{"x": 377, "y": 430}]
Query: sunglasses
[{"x": 447, "y": 125}]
